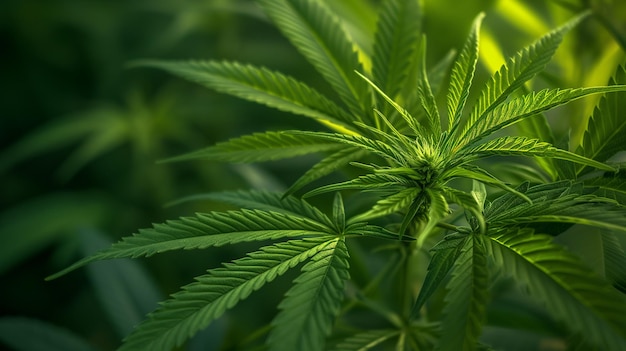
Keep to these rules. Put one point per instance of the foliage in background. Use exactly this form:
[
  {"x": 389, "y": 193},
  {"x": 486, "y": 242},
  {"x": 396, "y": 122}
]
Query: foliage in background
[{"x": 405, "y": 188}]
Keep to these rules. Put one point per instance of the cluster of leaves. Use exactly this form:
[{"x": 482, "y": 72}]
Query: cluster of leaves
[{"x": 415, "y": 160}]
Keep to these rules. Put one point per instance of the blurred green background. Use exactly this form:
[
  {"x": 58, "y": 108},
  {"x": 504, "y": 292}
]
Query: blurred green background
[{"x": 81, "y": 134}]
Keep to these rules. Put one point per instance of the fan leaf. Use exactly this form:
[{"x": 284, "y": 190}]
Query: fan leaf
[
  {"x": 265, "y": 201},
  {"x": 260, "y": 147},
  {"x": 437, "y": 209},
  {"x": 326, "y": 166},
  {"x": 390, "y": 204},
  {"x": 197, "y": 304},
  {"x": 522, "y": 146},
  {"x": 479, "y": 174},
  {"x": 605, "y": 130},
  {"x": 395, "y": 44},
  {"x": 511, "y": 112},
  {"x": 260, "y": 85},
  {"x": 311, "y": 305},
  {"x": 609, "y": 187},
  {"x": 426, "y": 95},
  {"x": 445, "y": 254},
  {"x": 466, "y": 301},
  {"x": 571, "y": 292},
  {"x": 207, "y": 230},
  {"x": 519, "y": 69},
  {"x": 562, "y": 202},
  {"x": 320, "y": 38},
  {"x": 374, "y": 182},
  {"x": 373, "y": 146},
  {"x": 462, "y": 76},
  {"x": 468, "y": 202}
]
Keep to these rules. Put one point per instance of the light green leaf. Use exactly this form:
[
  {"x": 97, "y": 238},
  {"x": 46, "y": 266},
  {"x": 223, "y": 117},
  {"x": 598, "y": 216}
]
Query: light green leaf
[
  {"x": 391, "y": 204},
  {"x": 606, "y": 128},
  {"x": 373, "y": 146},
  {"x": 339, "y": 214},
  {"x": 373, "y": 182},
  {"x": 207, "y": 230},
  {"x": 26, "y": 334},
  {"x": 528, "y": 105},
  {"x": 438, "y": 74},
  {"x": 417, "y": 207},
  {"x": 522, "y": 146},
  {"x": 387, "y": 133},
  {"x": 326, "y": 166},
  {"x": 319, "y": 37},
  {"x": 395, "y": 44},
  {"x": 265, "y": 201},
  {"x": 365, "y": 341},
  {"x": 479, "y": 174},
  {"x": 519, "y": 69},
  {"x": 311, "y": 305},
  {"x": 537, "y": 127},
  {"x": 261, "y": 147},
  {"x": 467, "y": 298},
  {"x": 479, "y": 193},
  {"x": 437, "y": 209},
  {"x": 415, "y": 126},
  {"x": 445, "y": 254},
  {"x": 468, "y": 203},
  {"x": 462, "y": 76},
  {"x": 258, "y": 84},
  {"x": 426, "y": 96},
  {"x": 199, "y": 303},
  {"x": 570, "y": 291}
]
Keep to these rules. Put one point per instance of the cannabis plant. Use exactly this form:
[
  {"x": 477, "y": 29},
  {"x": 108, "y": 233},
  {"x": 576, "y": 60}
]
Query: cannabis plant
[{"x": 417, "y": 185}]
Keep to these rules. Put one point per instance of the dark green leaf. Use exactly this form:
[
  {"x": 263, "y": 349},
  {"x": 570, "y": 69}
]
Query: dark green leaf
[
  {"x": 207, "y": 230},
  {"x": 312, "y": 304},
  {"x": 326, "y": 166},
  {"x": 570, "y": 291},
  {"x": 614, "y": 260},
  {"x": 396, "y": 44},
  {"x": 265, "y": 201},
  {"x": 201, "y": 302},
  {"x": 33, "y": 225},
  {"x": 445, "y": 254},
  {"x": 606, "y": 128},
  {"x": 320, "y": 38},
  {"x": 260, "y": 85},
  {"x": 467, "y": 298}
]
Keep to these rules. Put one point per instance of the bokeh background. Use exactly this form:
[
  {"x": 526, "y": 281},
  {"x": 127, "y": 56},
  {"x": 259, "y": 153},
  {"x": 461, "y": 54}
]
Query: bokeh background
[{"x": 81, "y": 134}]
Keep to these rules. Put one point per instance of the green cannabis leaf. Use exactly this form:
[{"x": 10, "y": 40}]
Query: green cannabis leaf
[{"x": 409, "y": 163}]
